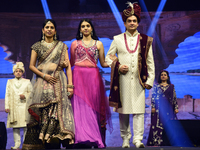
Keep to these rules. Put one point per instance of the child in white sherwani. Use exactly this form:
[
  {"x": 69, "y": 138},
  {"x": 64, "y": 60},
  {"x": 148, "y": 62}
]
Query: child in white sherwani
[{"x": 17, "y": 92}]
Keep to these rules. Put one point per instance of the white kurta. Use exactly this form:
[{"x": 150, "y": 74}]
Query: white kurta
[
  {"x": 132, "y": 94},
  {"x": 14, "y": 88}
]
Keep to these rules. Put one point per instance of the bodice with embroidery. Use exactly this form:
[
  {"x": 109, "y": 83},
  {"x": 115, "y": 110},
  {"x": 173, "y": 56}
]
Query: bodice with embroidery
[{"x": 82, "y": 53}]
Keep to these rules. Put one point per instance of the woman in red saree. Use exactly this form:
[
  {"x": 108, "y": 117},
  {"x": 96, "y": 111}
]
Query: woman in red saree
[{"x": 50, "y": 115}]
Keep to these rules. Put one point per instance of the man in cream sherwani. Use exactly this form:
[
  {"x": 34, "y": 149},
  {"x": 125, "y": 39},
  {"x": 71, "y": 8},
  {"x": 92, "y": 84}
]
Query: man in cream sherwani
[
  {"x": 17, "y": 92},
  {"x": 136, "y": 69}
]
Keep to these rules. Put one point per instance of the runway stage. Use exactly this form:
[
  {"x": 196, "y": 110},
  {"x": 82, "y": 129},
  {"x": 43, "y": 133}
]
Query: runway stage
[
  {"x": 153, "y": 148},
  {"x": 147, "y": 148},
  {"x": 114, "y": 141}
]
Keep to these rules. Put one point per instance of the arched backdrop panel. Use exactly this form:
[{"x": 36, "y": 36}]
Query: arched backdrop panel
[{"x": 176, "y": 46}]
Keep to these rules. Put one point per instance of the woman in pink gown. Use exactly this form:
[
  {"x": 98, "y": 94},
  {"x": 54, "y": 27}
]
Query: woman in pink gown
[{"x": 89, "y": 102}]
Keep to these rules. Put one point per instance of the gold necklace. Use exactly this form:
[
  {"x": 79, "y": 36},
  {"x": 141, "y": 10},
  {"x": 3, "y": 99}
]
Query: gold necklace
[
  {"x": 48, "y": 45},
  {"x": 164, "y": 84}
]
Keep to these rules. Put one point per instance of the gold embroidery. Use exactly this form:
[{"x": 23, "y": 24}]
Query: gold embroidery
[
  {"x": 46, "y": 54},
  {"x": 144, "y": 77},
  {"x": 58, "y": 96},
  {"x": 115, "y": 87},
  {"x": 113, "y": 104}
]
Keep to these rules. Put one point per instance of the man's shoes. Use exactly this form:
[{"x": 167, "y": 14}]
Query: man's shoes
[
  {"x": 126, "y": 143},
  {"x": 139, "y": 145},
  {"x": 15, "y": 147}
]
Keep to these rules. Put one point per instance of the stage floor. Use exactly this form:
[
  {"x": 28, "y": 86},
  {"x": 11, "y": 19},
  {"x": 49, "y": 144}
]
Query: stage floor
[
  {"x": 147, "y": 148},
  {"x": 113, "y": 140}
]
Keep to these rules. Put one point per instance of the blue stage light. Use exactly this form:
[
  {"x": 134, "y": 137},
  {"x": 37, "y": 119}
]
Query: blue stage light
[
  {"x": 156, "y": 17},
  {"x": 174, "y": 130},
  {"x": 46, "y": 9},
  {"x": 152, "y": 27},
  {"x": 117, "y": 15}
]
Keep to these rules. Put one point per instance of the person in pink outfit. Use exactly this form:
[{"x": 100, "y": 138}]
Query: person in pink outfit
[{"x": 89, "y": 102}]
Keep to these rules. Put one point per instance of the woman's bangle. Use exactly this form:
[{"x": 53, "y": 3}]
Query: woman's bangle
[
  {"x": 43, "y": 76},
  {"x": 70, "y": 86}
]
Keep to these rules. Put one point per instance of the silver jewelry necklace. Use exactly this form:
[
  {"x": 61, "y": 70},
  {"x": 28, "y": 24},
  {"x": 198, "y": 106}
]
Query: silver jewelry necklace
[
  {"x": 89, "y": 45},
  {"x": 48, "y": 45}
]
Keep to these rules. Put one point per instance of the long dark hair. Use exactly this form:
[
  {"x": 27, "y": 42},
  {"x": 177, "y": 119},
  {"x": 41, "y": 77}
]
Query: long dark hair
[
  {"x": 159, "y": 79},
  {"x": 44, "y": 24},
  {"x": 94, "y": 36}
]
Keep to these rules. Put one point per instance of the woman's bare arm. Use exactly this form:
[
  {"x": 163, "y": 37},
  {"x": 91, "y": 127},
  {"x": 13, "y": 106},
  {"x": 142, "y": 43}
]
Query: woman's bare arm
[
  {"x": 32, "y": 67},
  {"x": 101, "y": 54}
]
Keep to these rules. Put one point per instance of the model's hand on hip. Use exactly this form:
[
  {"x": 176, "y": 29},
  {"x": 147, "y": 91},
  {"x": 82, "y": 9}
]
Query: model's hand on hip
[
  {"x": 50, "y": 79},
  {"x": 123, "y": 69}
]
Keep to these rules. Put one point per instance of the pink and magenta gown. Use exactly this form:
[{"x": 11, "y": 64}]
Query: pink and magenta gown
[{"x": 89, "y": 102}]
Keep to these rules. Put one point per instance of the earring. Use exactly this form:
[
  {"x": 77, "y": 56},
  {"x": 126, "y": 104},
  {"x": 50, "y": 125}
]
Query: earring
[
  {"x": 91, "y": 33},
  {"x": 81, "y": 34},
  {"x": 43, "y": 36},
  {"x": 55, "y": 37}
]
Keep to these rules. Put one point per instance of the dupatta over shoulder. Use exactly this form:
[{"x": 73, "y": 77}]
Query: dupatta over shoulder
[{"x": 50, "y": 61}]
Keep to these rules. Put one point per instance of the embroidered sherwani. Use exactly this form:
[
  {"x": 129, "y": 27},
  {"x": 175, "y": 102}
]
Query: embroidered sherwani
[
  {"x": 131, "y": 86},
  {"x": 14, "y": 88},
  {"x": 132, "y": 94}
]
